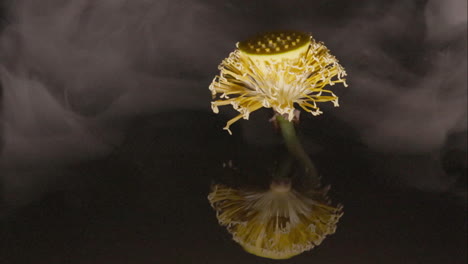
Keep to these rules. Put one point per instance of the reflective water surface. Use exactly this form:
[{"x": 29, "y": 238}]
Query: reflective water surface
[{"x": 146, "y": 204}]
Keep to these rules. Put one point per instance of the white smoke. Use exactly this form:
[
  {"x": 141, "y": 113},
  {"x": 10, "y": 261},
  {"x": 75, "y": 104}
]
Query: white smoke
[
  {"x": 445, "y": 18},
  {"x": 414, "y": 105},
  {"x": 411, "y": 103},
  {"x": 74, "y": 72}
]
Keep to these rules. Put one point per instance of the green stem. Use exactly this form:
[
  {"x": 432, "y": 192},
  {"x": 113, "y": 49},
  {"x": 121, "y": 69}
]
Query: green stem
[
  {"x": 284, "y": 168},
  {"x": 295, "y": 148}
]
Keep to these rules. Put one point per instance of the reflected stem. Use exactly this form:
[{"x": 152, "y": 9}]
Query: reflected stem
[
  {"x": 294, "y": 146},
  {"x": 283, "y": 171}
]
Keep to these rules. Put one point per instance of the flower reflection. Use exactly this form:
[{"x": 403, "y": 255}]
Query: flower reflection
[
  {"x": 278, "y": 223},
  {"x": 277, "y": 70}
]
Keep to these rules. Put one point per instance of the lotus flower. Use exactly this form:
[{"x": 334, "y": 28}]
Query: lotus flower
[{"x": 276, "y": 70}]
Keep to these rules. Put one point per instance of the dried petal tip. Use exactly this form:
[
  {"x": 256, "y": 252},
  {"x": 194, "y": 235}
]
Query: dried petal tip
[
  {"x": 278, "y": 70},
  {"x": 279, "y": 223}
]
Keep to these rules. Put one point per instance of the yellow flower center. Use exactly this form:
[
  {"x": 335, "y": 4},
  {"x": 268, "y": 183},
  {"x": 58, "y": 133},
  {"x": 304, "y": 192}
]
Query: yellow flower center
[
  {"x": 281, "y": 186},
  {"x": 275, "y": 45}
]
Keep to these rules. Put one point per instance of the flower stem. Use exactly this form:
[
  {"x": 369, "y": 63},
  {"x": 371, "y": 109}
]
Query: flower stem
[
  {"x": 295, "y": 148},
  {"x": 283, "y": 171}
]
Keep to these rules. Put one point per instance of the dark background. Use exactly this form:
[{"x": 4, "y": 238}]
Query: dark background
[{"x": 109, "y": 146}]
